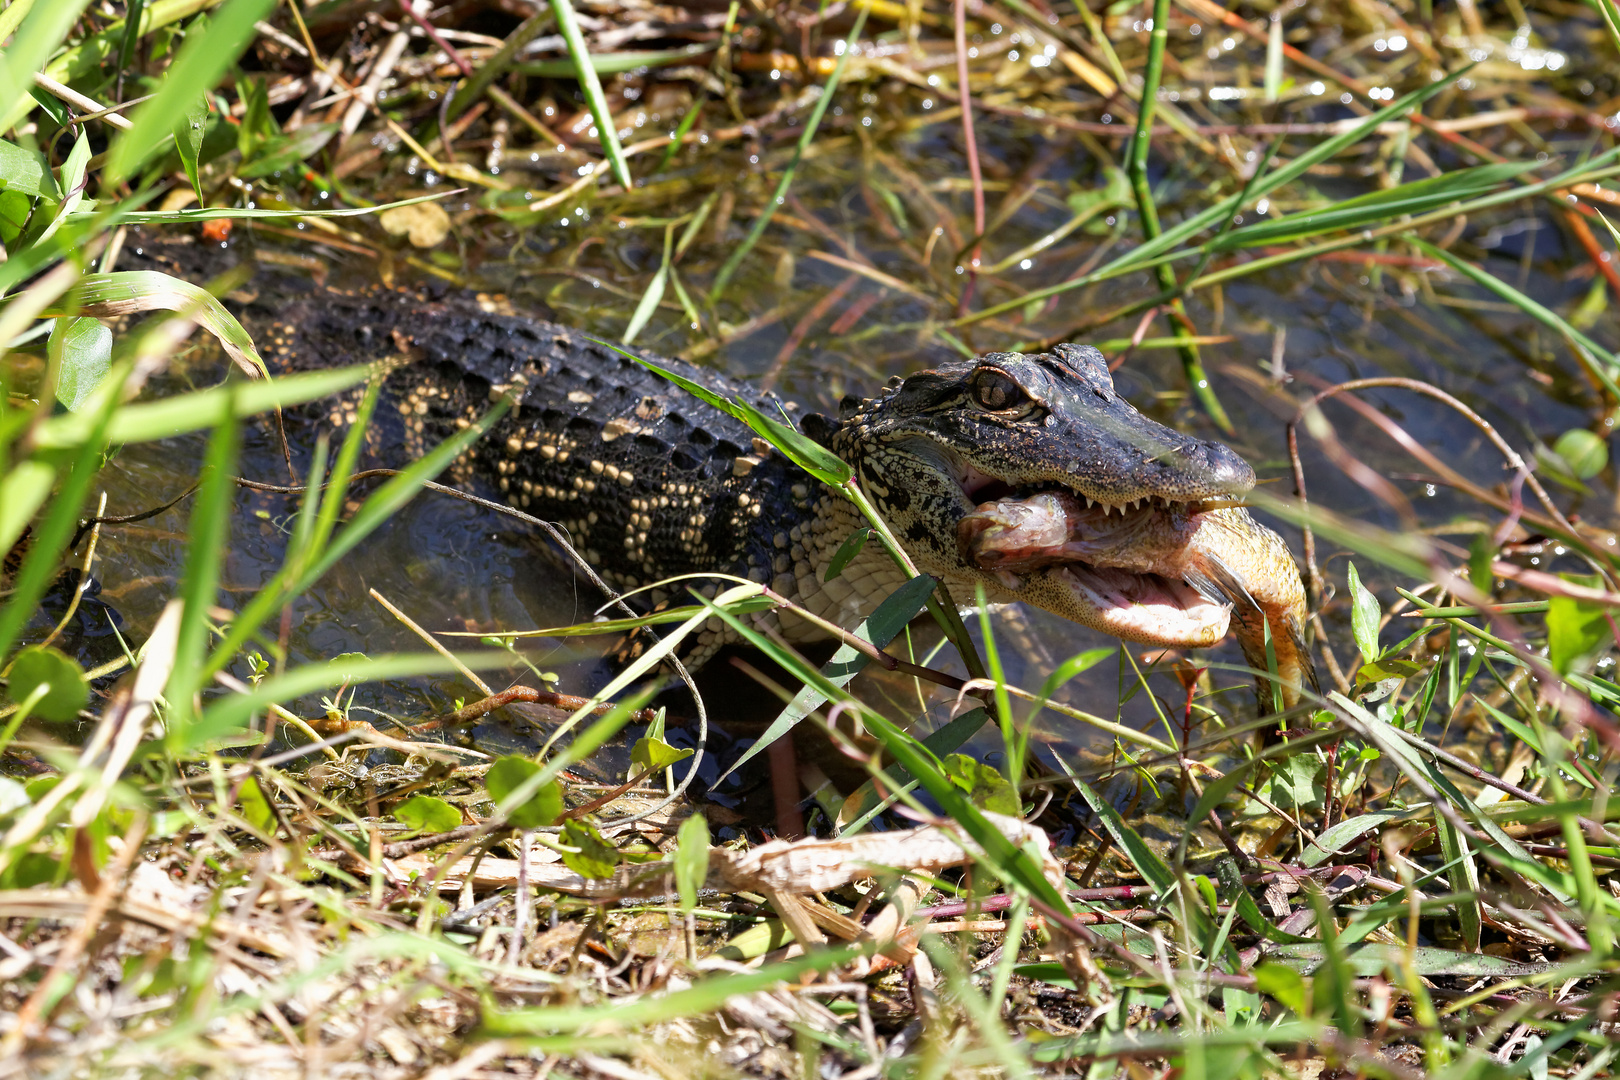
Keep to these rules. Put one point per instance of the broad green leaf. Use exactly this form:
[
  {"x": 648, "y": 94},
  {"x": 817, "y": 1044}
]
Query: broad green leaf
[
  {"x": 847, "y": 551},
  {"x": 986, "y": 787},
  {"x": 651, "y": 755},
  {"x": 14, "y": 210},
  {"x": 131, "y": 292},
  {"x": 649, "y": 299},
  {"x": 256, "y": 126},
  {"x": 537, "y": 810},
  {"x": 66, "y": 690},
  {"x": 1575, "y": 630},
  {"x": 1364, "y": 615},
  {"x": 691, "y": 860},
  {"x": 1329, "y": 843},
  {"x": 188, "y": 140},
  {"x": 26, "y": 172},
  {"x": 426, "y": 814},
  {"x": 593, "y": 857},
  {"x": 81, "y": 351},
  {"x": 201, "y": 62},
  {"x": 73, "y": 186},
  {"x": 1481, "y": 554},
  {"x": 1584, "y": 453},
  {"x": 1284, "y": 984},
  {"x": 255, "y": 807},
  {"x": 1295, "y": 784}
]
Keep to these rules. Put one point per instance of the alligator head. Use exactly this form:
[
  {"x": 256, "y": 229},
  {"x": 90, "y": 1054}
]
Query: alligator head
[{"x": 1028, "y": 476}]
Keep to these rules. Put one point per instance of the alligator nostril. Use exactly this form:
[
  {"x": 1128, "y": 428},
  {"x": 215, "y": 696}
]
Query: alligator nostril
[{"x": 1226, "y": 469}]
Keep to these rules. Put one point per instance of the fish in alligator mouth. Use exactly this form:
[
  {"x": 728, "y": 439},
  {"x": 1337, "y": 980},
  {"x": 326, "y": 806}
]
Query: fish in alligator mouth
[
  {"x": 1029, "y": 477},
  {"x": 1025, "y": 475}
]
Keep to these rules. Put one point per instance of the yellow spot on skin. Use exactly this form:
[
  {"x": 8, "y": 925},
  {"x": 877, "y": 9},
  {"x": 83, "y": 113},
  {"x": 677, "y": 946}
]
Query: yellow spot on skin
[{"x": 596, "y": 467}]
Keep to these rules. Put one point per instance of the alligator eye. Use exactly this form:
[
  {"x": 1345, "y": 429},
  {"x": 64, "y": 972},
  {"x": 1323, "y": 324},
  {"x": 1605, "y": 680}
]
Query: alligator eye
[{"x": 997, "y": 391}]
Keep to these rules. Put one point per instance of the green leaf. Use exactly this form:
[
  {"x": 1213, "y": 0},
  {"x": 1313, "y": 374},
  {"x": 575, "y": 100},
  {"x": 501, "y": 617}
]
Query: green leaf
[
  {"x": 1388, "y": 668},
  {"x": 202, "y": 60},
  {"x": 594, "y": 857},
  {"x": 879, "y": 628},
  {"x": 847, "y": 551},
  {"x": 1481, "y": 554},
  {"x": 533, "y": 811},
  {"x": 1364, "y": 614},
  {"x": 691, "y": 860},
  {"x": 798, "y": 448},
  {"x": 1378, "y": 207},
  {"x": 188, "y": 140},
  {"x": 1285, "y": 984},
  {"x": 81, "y": 351},
  {"x": 986, "y": 787},
  {"x": 1584, "y": 453},
  {"x": 257, "y": 126},
  {"x": 67, "y": 690},
  {"x": 1296, "y": 783},
  {"x": 1575, "y": 630},
  {"x": 426, "y": 814},
  {"x": 651, "y": 755},
  {"x": 285, "y": 151},
  {"x": 591, "y": 87},
  {"x": 44, "y": 28},
  {"x": 27, "y": 173},
  {"x": 14, "y": 210},
  {"x": 255, "y": 807}
]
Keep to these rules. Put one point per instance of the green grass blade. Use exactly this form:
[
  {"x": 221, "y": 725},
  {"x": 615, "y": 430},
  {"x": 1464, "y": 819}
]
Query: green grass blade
[
  {"x": 145, "y": 421},
  {"x": 1176, "y": 235},
  {"x": 44, "y": 26},
  {"x": 372, "y": 515},
  {"x": 232, "y": 712},
  {"x": 591, "y": 87},
  {"x": 879, "y": 628},
  {"x": 1005, "y": 859},
  {"x": 206, "y": 540},
  {"x": 1542, "y": 314},
  {"x": 1417, "y": 197},
  {"x": 729, "y": 268},
  {"x": 200, "y": 64},
  {"x": 52, "y": 534}
]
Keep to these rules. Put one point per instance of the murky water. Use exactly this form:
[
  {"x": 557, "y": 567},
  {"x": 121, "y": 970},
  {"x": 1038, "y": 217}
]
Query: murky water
[{"x": 875, "y": 194}]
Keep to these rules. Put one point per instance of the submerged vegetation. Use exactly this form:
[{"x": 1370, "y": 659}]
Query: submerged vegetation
[{"x": 1373, "y": 245}]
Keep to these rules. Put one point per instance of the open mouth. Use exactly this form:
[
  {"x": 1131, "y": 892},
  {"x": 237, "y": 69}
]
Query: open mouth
[{"x": 1131, "y": 570}]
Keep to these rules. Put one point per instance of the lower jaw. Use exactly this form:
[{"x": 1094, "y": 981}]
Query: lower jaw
[{"x": 1178, "y": 617}]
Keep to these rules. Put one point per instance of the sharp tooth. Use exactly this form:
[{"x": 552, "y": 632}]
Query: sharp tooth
[{"x": 1088, "y": 501}]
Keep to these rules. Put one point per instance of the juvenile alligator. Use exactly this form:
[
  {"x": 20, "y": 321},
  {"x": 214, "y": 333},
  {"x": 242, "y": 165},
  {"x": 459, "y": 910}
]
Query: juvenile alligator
[{"x": 1026, "y": 475}]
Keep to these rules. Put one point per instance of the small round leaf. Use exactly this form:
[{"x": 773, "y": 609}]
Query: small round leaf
[
  {"x": 426, "y": 814},
  {"x": 67, "y": 689},
  {"x": 1586, "y": 454},
  {"x": 541, "y": 808}
]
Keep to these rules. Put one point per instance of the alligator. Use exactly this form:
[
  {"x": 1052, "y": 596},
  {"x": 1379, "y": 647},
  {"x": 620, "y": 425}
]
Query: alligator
[{"x": 1025, "y": 476}]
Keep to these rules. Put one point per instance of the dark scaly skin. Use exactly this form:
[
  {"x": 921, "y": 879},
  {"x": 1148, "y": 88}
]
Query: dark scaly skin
[{"x": 650, "y": 483}]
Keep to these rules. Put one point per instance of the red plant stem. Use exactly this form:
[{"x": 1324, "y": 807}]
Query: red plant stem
[{"x": 433, "y": 35}]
